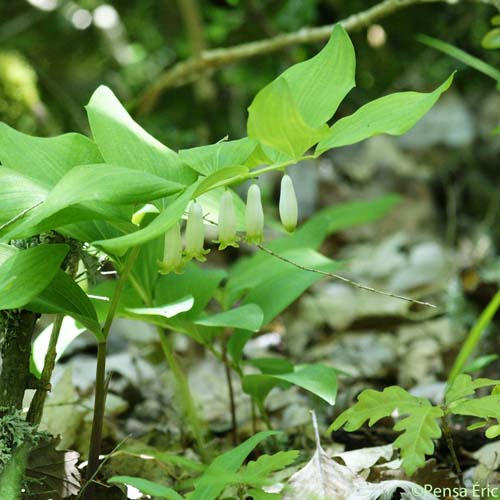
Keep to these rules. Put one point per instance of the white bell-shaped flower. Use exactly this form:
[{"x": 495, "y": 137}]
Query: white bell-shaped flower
[
  {"x": 288, "y": 204},
  {"x": 227, "y": 222},
  {"x": 195, "y": 234},
  {"x": 254, "y": 215},
  {"x": 172, "y": 253}
]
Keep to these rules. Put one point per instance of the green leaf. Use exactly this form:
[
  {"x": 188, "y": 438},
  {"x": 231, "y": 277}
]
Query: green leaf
[
  {"x": 147, "y": 487},
  {"x": 167, "y": 310},
  {"x": 492, "y": 39},
  {"x": 13, "y": 473},
  {"x": 247, "y": 317},
  {"x": 196, "y": 281},
  {"x": 220, "y": 178},
  {"x": 262, "y": 495},
  {"x": 275, "y": 120},
  {"x": 272, "y": 366},
  {"x": 320, "y": 84},
  {"x": 479, "y": 363},
  {"x": 213, "y": 482},
  {"x": 320, "y": 380},
  {"x": 123, "y": 142},
  {"x": 158, "y": 227},
  {"x": 18, "y": 194},
  {"x": 257, "y": 471},
  {"x": 209, "y": 159},
  {"x": 104, "y": 184},
  {"x": 420, "y": 427},
  {"x": 463, "y": 386},
  {"x": 64, "y": 296},
  {"x": 462, "y": 56},
  {"x": 45, "y": 160},
  {"x": 247, "y": 273},
  {"x": 485, "y": 407},
  {"x": 26, "y": 273},
  {"x": 492, "y": 432},
  {"x": 273, "y": 284},
  {"x": 393, "y": 114}
]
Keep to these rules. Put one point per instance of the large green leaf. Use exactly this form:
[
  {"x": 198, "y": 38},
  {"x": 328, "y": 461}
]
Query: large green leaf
[
  {"x": 209, "y": 159},
  {"x": 275, "y": 120},
  {"x": 394, "y": 114},
  {"x": 310, "y": 235},
  {"x": 273, "y": 284},
  {"x": 99, "y": 183},
  {"x": 247, "y": 317},
  {"x": 123, "y": 142},
  {"x": 18, "y": 194},
  {"x": 45, "y": 160},
  {"x": 320, "y": 380},
  {"x": 319, "y": 84},
  {"x": 26, "y": 273},
  {"x": 210, "y": 485}
]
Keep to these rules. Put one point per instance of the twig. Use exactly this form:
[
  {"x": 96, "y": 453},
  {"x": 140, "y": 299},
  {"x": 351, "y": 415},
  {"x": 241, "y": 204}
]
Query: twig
[
  {"x": 187, "y": 71},
  {"x": 451, "y": 448},
  {"x": 35, "y": 411},
  {"x": 232, "y": 403},
  {"x": 345, "y": 280}
]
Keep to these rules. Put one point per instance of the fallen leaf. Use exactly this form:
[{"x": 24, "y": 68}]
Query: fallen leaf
[{"x": 54, "y": 472}]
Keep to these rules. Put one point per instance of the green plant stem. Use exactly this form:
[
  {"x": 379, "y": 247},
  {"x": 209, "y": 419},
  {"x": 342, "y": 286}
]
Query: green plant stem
[
  {"x": 184, "y": 395},
  {"x": 101, "y": 386},
  {"x": 35, "y": 411},
  {"x": 451, "y": 448},
  {"x": 232, "y": 402},
  {"x": 474, "y": 337}
]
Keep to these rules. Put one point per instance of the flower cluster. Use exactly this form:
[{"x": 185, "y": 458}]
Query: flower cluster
[{"x": 174, "y": 256}]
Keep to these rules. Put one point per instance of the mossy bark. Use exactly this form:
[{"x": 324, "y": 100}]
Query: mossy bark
[{"x": 16, "y": 331}]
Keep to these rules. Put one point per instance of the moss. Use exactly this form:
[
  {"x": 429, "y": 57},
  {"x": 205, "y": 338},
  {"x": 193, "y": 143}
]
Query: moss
[
  {"x": 14, "y": 431},
  {"x": 19, "y": 97}
]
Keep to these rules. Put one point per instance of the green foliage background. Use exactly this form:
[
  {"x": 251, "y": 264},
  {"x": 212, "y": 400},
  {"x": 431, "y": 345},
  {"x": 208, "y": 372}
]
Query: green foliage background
[{"x": 60, "y": 65}]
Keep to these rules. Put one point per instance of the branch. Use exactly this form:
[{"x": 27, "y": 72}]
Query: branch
[
  {"x": 345, "y": 280},
  {"x": 187, "y": 71}
]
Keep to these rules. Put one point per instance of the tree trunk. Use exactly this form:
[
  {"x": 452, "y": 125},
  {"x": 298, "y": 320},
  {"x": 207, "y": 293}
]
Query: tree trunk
[{"x": 16, "y": 331}]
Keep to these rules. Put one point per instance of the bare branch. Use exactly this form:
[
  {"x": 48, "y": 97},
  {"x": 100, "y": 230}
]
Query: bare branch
[
  {"x": 345, "y": 280},
  {"x": 187, "y": 71}
]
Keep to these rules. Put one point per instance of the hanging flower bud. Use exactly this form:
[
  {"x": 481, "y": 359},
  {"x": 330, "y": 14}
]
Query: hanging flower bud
[
  {"x": 227, "y": 222},
  {"x": 254, "y": 215},
  {"x": 288, "y": 204},
  {"x": 195, "y": 234},
  {"x": 172, "y": 253}
]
